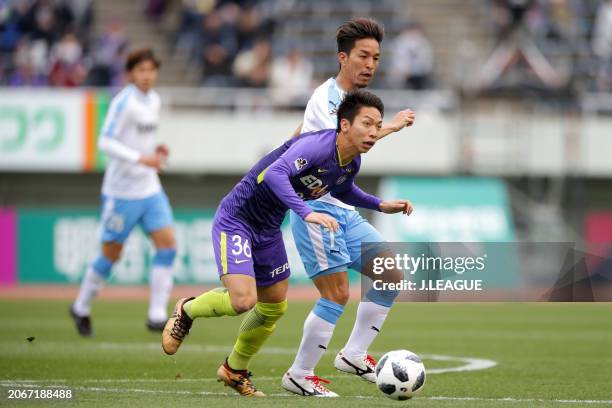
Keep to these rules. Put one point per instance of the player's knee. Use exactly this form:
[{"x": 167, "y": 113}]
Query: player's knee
[
  {"x": 338, "y": 293},
  {"x": 242, "y": 304},
  {"x": 112, "y": 251},
  {"x": 341, "y": 296},
  {"x": 164, "y": 257}
]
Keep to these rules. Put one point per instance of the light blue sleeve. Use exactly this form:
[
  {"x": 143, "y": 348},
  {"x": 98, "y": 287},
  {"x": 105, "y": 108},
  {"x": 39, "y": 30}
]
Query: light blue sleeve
[{"x": 117, "y": 116}]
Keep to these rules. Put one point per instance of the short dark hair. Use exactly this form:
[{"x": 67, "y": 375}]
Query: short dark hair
[
  {"x": 354, "y": 101},
  {"x": 357, "y": 29},
  {"x": 140, "y": 55}
]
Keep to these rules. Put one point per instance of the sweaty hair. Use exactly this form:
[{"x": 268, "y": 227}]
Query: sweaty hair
[
  {"x": 354, "y": 101},
  {"x": 357, "y": 29},
  {"x": 137, "y": 56}
]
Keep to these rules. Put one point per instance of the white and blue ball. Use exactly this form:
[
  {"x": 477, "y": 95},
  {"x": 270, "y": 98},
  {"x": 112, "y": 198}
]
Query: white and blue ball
[{"x": 400, "y": 374}]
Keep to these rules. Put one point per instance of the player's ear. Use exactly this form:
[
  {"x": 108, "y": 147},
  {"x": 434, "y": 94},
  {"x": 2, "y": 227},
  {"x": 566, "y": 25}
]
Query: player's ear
[
  {"x": 345, "y": 125},
  {"x": 342, "y": 57}
]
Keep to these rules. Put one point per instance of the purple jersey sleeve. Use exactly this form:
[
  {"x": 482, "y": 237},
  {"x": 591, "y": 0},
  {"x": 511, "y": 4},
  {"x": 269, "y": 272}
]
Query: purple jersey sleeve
[
  {"x": 298, "y": 158},
  {"x": 353, "y": 195}
]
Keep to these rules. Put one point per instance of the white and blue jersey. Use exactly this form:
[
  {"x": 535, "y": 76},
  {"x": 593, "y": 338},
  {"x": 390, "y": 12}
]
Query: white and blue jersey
[
  {"x": 322, "y": 252},
  {"x": 131, "y": 192}
]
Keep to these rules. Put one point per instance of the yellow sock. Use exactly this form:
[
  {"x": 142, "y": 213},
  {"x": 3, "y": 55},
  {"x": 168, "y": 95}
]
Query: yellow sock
[
  {"x": 213, "y": 303},
  {"x": 257, "y": 326}
]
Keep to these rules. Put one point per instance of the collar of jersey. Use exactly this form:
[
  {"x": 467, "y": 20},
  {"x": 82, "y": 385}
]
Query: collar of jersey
[
  {"x": 338, "y": 153},
  {"x": 134, "y": 89}
]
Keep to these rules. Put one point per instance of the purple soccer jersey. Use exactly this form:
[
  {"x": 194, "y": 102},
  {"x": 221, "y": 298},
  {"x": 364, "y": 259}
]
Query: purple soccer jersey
[{"x": 247, "y": 224}]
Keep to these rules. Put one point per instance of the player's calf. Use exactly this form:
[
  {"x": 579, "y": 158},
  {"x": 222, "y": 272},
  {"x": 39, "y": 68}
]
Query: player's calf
[
  {"x": 93, "y": 281},
  {"x": 161, "y": 281}
]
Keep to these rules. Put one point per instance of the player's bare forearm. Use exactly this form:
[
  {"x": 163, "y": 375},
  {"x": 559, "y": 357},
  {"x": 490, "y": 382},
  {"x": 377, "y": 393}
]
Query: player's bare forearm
[
  {"x": 401, "y": 120},
  {"x": 385, "y": 131},
  {"x": 396, "y": 206}
]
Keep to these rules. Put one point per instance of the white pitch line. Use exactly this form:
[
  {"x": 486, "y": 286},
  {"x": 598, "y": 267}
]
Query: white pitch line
[
  {"x": 211, "y": 393},
  {"x": 471, "y": 363}
]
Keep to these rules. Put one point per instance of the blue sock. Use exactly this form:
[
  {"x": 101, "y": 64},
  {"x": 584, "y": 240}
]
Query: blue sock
[
  {"x": 328, "y": 310},
  {"x": 382, "y": 297},
  {"x": 164, "y": 257},
  {"x": 102, "y": 265}
]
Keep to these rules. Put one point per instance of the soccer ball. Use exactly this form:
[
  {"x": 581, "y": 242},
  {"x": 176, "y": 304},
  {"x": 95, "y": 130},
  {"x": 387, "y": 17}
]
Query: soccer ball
[{"x": 400, "y": 374}]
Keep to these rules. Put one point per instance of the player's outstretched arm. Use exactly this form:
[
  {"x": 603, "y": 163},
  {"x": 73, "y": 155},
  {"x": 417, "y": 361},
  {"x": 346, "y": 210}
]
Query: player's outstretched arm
[
  {"x": 396, "y": 206},
  {"x": 401, "y": 120}
]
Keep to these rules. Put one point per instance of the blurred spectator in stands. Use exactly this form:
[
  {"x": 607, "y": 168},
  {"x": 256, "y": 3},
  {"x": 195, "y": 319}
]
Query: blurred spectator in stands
[
  {"x": 602, "y": 45},
  {"x": 67, "y": 67},
  {"x": 291, "y": 78},
  {"x": 43, "y": 27},
  {"x": 187, "y": 35},
  {"x": 248, "y": 27},
  {"x": 13, "y": 24},
  {"x": 562, "y": 24},
  {"x": 218, "y": 48},
  {"x": 252, "y": 66},
  {"x": 411, "y": 59},
  {"x": 155, "y": 9},
  {"x": 29, "y": 69},
  {"x": 107, "y": 56},
  {"x": 82, "y": 10}
]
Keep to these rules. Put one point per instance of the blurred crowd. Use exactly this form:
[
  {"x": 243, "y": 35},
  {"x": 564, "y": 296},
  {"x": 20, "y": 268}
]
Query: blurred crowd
[
  {"x": 232, "y": 43},
  {"x": 228, "y": 40},
  {"x": 235, "y": 43},
  {"x": 51, "y": 43}
]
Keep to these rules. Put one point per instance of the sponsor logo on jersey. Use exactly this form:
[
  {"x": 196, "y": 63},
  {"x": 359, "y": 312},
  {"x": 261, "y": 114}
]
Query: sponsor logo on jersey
[
  {"x": 315, "y": 185},
  {"x": 146, "y": 127},
  {"x": 342, "y": 179},
  {"x": 300, "y": 163},
  {"x": 321, "y": 171}
]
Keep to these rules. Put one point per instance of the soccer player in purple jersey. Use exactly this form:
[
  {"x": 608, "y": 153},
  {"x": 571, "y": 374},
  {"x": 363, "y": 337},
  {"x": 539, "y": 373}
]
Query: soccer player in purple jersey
[{"x": 249, "y": 249}]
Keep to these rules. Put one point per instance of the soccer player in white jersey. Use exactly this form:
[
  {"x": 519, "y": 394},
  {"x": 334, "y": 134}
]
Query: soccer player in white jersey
[
  {"x": 327, "y": 257},
  {"x": 132, "y": 193}
]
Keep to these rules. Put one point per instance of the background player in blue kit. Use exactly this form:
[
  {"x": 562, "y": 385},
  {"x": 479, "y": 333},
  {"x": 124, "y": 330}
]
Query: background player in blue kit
[
  {"x": 132, "y": 193},
  {"x": 249, "y": 249}
]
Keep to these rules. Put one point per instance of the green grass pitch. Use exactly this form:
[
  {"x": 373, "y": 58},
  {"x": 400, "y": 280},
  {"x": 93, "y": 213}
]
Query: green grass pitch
[{"x": 546, "y": 355}]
